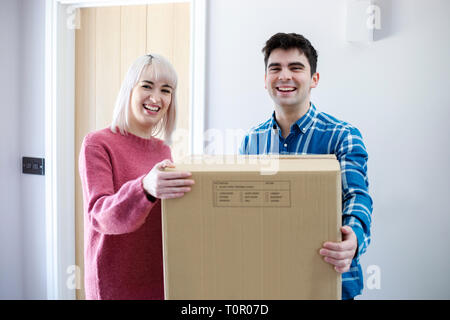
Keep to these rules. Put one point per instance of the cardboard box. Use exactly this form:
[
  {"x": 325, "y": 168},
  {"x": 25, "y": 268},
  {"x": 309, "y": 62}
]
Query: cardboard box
[{"x": 252, "y": 227}]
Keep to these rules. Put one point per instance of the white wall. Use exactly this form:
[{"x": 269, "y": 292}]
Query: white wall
[
  {"x": 11, "y": 241},
  {"x": 22, "y": 227},
  {"x": 395, "y": 90},
  {"x": 32, "y": 143}
]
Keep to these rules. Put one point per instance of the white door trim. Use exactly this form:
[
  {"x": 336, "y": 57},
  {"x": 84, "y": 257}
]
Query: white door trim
[{"x": 60, "y": 127}]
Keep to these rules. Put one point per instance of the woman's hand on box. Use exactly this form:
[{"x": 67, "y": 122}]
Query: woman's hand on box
[{"x": 167, "y": 185}]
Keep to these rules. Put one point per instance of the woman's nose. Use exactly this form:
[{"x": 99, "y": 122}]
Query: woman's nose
[{"x": 153, "y": 98}]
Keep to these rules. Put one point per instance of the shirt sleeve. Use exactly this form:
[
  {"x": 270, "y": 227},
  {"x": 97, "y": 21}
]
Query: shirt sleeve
[
  {"x": 243, "y": 150},
  {"x": 356, "y": 201},
  {"x": 109, "y": 211}
]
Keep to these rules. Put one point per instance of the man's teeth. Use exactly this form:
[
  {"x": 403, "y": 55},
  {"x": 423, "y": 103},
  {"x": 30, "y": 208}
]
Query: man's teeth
[
  {"x": 156, "y": 109},
  {"x": 286, "y": 89}
]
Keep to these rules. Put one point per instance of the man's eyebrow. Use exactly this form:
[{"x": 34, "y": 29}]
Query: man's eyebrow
[
  {"x": 298, "y": 64},
  {"x": 274, "y": 64},
  {"x": 277, "y": 64}
]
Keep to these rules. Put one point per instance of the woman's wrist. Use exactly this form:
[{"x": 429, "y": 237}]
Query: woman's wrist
[{"x": 149, "y": 196}]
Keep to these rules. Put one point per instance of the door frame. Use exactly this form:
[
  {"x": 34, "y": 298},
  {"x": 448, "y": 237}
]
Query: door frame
[{"x": 61, "y": 268}]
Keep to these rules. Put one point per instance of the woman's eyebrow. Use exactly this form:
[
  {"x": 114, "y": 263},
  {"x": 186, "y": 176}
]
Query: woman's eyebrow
[{"x": 152, "y": 83}]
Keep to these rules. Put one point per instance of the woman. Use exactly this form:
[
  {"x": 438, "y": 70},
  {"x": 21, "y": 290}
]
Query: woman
[{"x": 122, "y": 179}]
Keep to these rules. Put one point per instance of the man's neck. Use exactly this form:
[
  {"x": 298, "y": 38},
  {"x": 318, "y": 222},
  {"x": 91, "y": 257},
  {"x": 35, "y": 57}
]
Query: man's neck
[{"x": 287, "y": 116}]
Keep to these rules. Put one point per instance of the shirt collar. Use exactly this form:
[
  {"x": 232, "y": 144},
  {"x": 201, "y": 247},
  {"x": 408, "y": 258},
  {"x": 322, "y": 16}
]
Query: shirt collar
[{"x": 303, "y": 123}]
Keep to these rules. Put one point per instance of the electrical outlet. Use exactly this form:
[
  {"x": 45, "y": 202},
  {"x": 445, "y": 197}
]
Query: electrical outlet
[{"x": 33, "y": 165}]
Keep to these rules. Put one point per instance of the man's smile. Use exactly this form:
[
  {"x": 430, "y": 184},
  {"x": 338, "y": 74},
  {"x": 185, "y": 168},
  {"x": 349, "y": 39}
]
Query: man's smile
[{"x": 286, "y": 89}]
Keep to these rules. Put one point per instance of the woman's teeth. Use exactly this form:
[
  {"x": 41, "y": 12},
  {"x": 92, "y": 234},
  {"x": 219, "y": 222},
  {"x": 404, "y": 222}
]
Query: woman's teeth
[{"x": 151, "y": 108}]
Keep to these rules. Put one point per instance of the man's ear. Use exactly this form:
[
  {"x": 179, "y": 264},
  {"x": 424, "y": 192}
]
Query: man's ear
[
  {"x": 315, "y": 80},
  {"x": 265, "y": 78}
]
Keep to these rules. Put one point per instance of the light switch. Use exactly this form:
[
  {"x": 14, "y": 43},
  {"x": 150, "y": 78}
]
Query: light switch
[{"x": 33, "y": 165}]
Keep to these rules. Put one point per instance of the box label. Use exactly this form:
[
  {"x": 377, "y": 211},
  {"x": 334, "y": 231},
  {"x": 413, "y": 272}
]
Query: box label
[{"x": 252, "y": 193}]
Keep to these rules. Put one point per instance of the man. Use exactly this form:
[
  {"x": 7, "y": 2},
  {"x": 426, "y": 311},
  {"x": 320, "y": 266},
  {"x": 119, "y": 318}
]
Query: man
[{"x": 297, "y": 127}]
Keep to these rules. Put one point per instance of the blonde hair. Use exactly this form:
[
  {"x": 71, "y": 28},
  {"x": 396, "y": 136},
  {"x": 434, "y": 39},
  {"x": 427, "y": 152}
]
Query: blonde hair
[{"x": 161, "y": 70}]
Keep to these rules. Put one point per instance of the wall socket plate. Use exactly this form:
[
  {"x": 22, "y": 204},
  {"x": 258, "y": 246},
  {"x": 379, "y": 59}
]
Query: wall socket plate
[{"x": 33, "y": 165}]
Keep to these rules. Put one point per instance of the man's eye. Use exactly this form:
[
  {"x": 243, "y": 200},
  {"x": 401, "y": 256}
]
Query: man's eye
[
  {"x": 275, "y": 69},
  {"x": 146, "y": 86},
  {"x": 166, "y": 91}
]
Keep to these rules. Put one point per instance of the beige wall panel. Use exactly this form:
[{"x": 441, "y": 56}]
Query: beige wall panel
[
  {"x": 109, "y": 40},
  {"x": 133, "y": 35},
  {"x": 181, "y": 63},
  {"x": 84, "y": 116},
  {"x": 108, "y": 60},
  {"x": 160, "y": 29}
]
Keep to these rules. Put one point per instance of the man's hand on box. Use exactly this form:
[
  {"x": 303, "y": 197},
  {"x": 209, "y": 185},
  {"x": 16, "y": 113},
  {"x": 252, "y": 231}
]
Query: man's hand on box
[{"x": 340, "y": 254}]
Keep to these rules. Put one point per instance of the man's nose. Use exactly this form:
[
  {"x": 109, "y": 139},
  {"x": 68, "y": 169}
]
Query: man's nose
[{"x": 285, "y": 74}]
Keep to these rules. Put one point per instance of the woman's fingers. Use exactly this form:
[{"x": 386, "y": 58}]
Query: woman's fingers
[
  {"x": 172, "y": 195},
  {"x": 174, "y": 175},
  {"x": 175, "y": 190},
  {"x": 176, "y": 183},
  {"x": 167, "y": 185},
  {"x": 164, "y": 164}
]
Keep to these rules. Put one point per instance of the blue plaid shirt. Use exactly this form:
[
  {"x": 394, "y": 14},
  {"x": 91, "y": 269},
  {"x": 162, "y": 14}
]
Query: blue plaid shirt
[{"x": 319, "y": 133}]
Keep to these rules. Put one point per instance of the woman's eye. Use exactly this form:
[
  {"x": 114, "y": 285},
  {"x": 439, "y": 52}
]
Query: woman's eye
[
  {"x": 166, "y": 91},
  {"x": 146, "y": 87}
]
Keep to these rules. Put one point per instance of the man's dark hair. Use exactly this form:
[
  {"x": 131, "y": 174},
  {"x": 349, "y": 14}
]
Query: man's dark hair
[{"x": 288, "y": 41}]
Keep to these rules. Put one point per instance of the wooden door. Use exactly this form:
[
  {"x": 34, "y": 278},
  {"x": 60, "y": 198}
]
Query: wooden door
[{"x": 108, "y": 41}]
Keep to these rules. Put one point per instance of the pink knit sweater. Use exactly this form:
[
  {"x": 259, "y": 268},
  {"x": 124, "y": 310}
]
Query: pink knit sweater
[{"x": 122, "y": 228}]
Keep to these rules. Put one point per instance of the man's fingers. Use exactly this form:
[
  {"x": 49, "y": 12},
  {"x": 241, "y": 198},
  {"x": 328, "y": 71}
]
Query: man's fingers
[
  {"x": 346, "y": 229},
  {"x": 340, "y": 266},
  {"x": 339, "y": 246},
  {"x": 338, "y": 263},
  {"x": 338, "y": 255},
  {"x": 342, "y": 270}
]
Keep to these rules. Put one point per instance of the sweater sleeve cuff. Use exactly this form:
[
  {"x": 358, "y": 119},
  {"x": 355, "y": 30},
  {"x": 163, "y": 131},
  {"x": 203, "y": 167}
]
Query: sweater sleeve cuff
[
  {"x": 149, "y": 197},
  {"x": 359, "y": 238}
]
